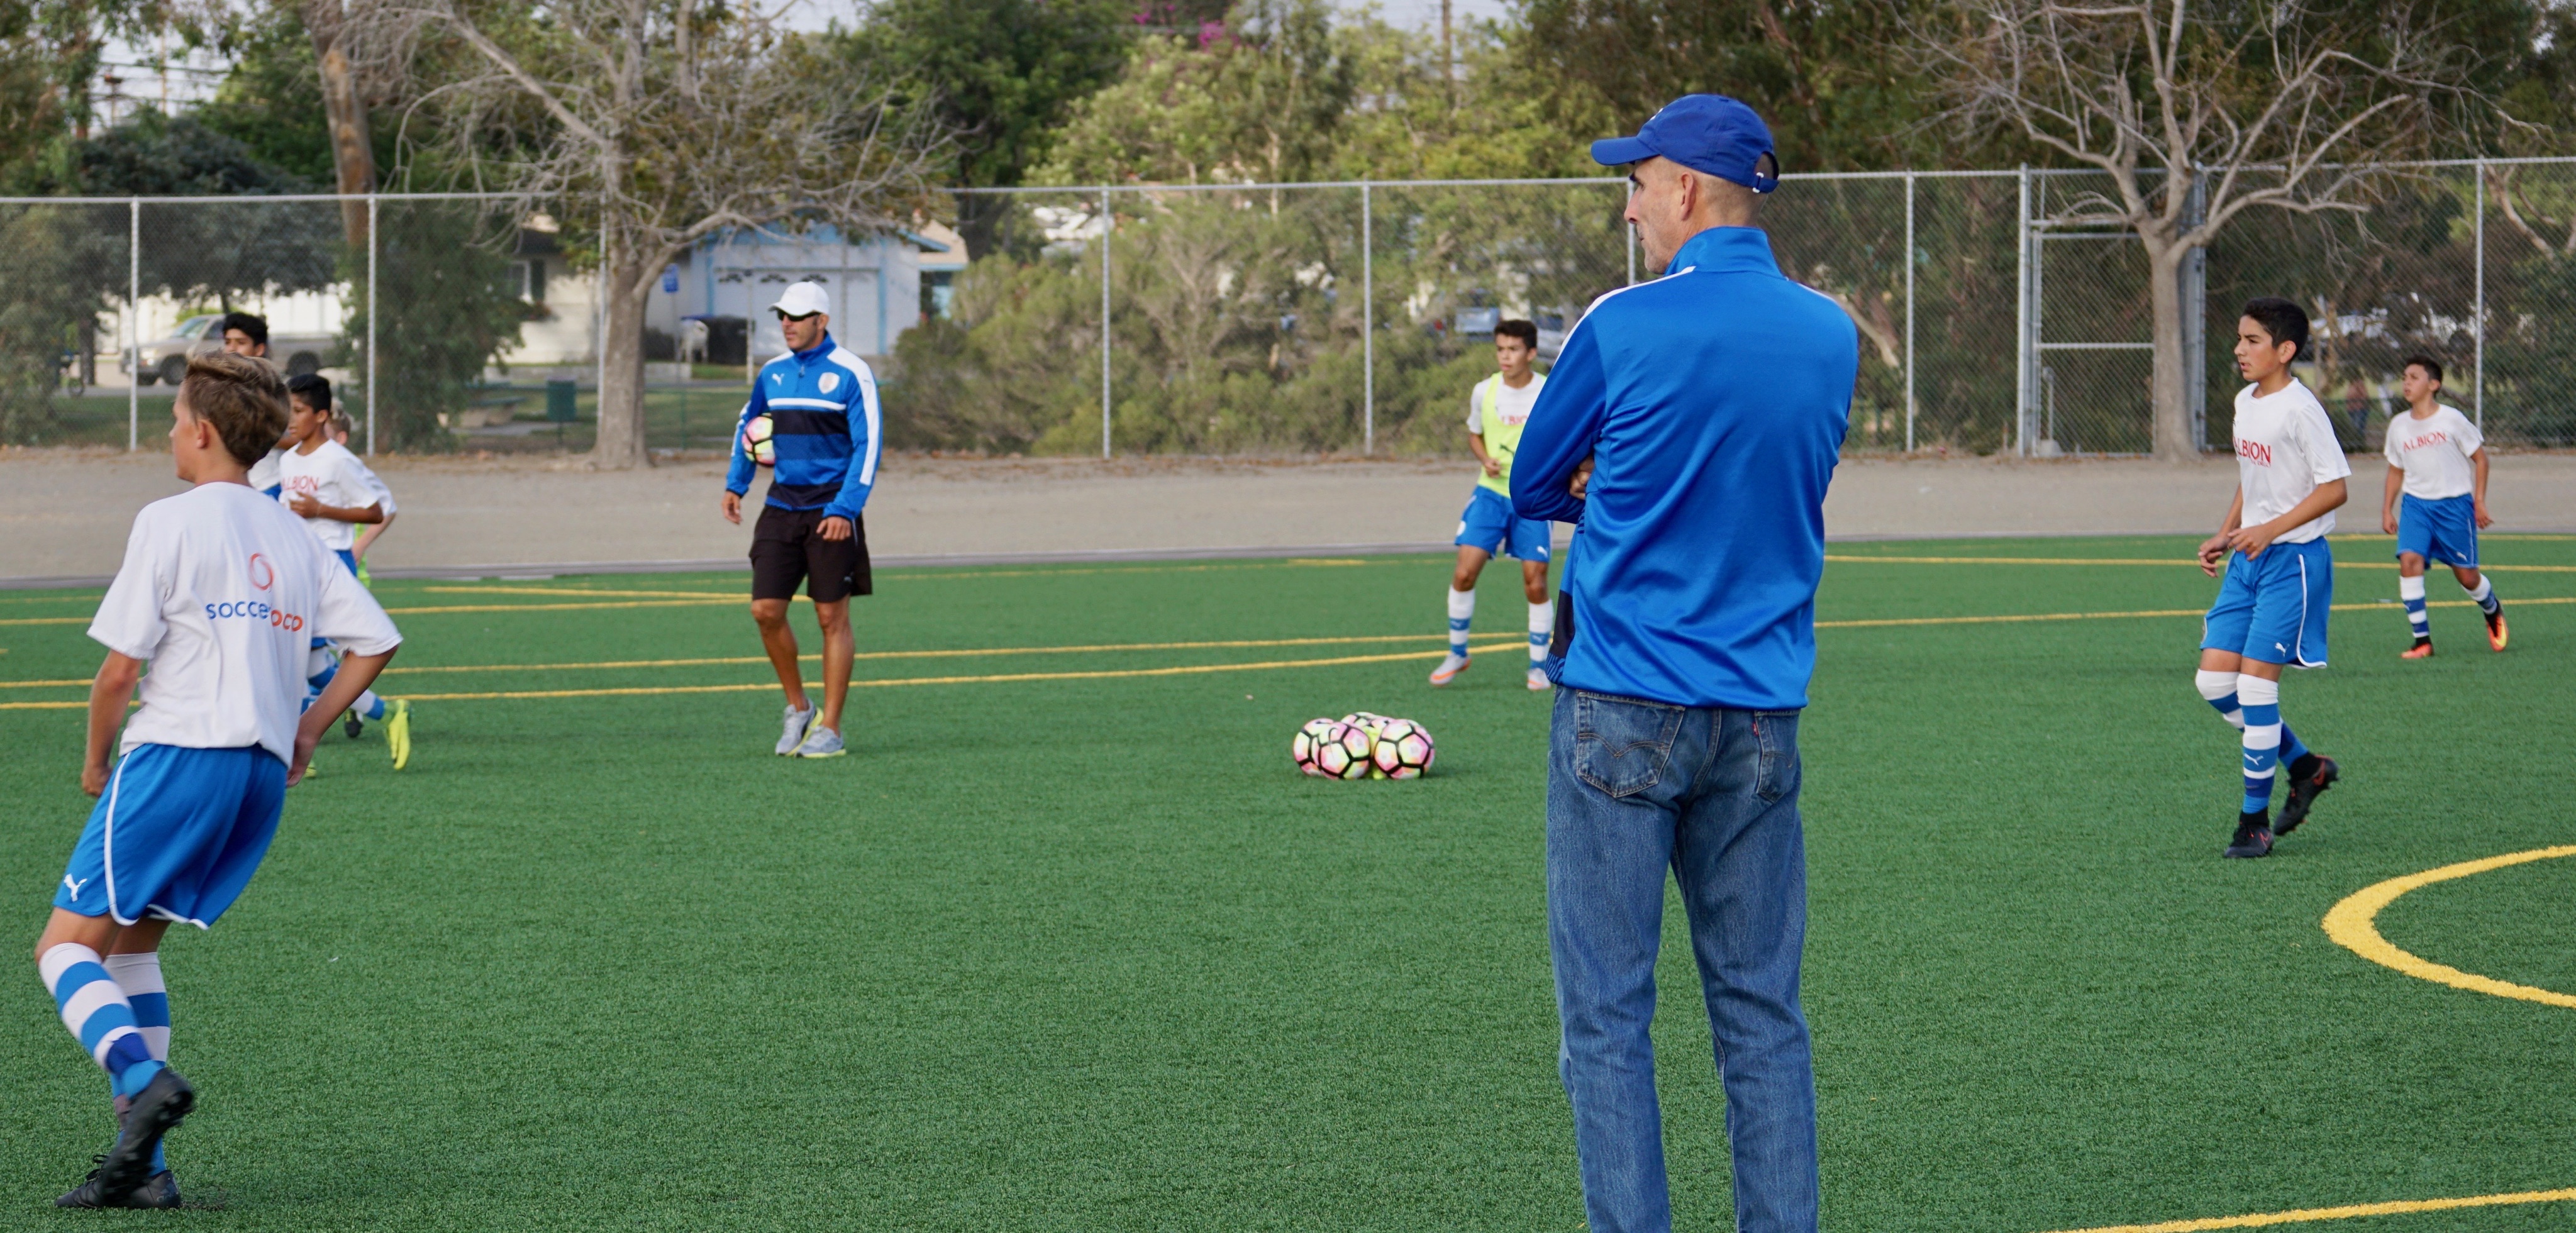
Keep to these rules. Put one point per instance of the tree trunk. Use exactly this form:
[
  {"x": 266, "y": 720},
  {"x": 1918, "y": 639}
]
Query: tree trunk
[
  {"x": 353, "y": 158},
  {"x": 2172, "y": 436},
  {"x": 621, "y": 391}
]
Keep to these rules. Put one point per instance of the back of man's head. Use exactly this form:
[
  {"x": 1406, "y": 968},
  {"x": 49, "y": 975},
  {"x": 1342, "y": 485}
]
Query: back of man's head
[
  {"x": 241, "y": 397},
  {"x": 251, "y": 324}
]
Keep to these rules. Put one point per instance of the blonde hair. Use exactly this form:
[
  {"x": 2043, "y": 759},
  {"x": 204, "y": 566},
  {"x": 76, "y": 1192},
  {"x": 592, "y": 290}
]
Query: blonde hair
[{"x": 243, "y": 399}]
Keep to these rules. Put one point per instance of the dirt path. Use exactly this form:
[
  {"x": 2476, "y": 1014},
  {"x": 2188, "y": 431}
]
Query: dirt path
[{"x": 65, "y": 513}]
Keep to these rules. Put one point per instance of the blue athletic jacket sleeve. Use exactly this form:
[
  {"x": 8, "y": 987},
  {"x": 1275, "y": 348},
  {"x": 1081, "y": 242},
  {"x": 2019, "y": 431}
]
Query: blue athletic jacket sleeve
[
  {"x": 738, "y": 473},
  {"x": 866, "y": 441},
  {"x": 1712, "y": 402}
]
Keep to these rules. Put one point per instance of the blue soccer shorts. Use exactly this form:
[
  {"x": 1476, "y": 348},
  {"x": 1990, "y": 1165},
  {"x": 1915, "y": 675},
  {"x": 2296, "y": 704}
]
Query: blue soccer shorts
[
  {"x": 1489, "y": 523},
  {"x": 2444, "y": 532},
  {"x": 2273, "y": 607},
  {"x": 176, "y": 835}
]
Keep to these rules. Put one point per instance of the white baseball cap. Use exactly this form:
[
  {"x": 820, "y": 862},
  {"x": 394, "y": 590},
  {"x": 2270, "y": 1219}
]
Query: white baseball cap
[{"x": 802, "y": 299}]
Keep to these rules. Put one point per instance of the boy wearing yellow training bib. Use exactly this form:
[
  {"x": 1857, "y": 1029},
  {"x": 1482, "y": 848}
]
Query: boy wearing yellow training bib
[{"x": 1496, "y": 410}]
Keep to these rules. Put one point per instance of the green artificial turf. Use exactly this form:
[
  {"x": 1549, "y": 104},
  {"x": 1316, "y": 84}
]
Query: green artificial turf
[{"x": 1088, "y": 954}]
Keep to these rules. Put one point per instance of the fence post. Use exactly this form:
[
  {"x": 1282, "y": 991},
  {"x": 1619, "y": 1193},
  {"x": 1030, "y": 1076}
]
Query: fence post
[
  {"x": 1909, "y": 312},
  {"x": 1368, "y": 325},
  {"x": 372, "y": 244},
  {"x": 1631, "y": 229},
  {"x": 1108, "y": 223},
  {"x": 2195, "y": 317},
  {"x": 2022, "y": 331},
  {"x": 133, "y": 323},
  {"x": 2478, "y": 382}
]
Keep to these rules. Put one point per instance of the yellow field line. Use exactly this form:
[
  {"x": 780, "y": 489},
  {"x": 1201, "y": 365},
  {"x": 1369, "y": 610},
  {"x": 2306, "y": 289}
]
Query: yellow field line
[
  {"x": 950, "y": 654},
  {"x": 42, "y": 684},
  {"x": 2168, "y": 562},
  {"x": 631, "y": 603},
  {"x": 741, "y": 596},
  {"x": 2352, "y": 925},
  {"x": 78, "y": 620},
  {"x": 2155, "y": 612},
  {"x": 2305, "y": 1215}
]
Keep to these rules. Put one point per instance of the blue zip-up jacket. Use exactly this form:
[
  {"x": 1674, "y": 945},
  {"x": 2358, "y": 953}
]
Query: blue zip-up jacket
[
  {"x": 1712, "y": 402},
  {"x": 822, "y": 408}
]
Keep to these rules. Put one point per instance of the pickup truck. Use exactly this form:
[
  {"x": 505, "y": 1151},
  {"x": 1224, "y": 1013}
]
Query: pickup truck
[{"x": 166, "y": 359}]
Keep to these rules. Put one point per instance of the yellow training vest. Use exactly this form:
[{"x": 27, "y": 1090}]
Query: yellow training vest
[{"x": 1502, "y": 437}]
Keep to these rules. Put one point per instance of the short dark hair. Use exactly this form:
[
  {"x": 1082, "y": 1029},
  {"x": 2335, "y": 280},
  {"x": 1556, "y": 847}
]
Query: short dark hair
[
  {"x": 313, "y": 388},
  {"x": 248, "y": 323},
  {"x": 2284, "y": 320},
  {"x": 1522, "y": 330},
  {"x": 2432, "y": 367},
  {"x": 243, "y": 399}
]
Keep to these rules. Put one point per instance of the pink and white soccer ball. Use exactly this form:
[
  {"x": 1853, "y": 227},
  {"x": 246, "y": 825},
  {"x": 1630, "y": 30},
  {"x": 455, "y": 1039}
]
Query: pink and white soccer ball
[
  {"x": 1366, "y": 721},
  {"x": 1345, "y": 753},
  {"x": 1308, "y": 742},
  {"x": 1403, "y": 750}
]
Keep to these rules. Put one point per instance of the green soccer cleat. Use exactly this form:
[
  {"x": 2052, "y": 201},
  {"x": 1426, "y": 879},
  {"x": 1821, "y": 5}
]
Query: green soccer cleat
[{"x": 398, "y": 731}]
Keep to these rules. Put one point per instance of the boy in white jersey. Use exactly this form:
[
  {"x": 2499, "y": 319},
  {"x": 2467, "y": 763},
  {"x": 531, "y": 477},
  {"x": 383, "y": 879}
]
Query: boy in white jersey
[
  {"x": 333, "y": 492},
  {"x": 247, "y": 334},
  {"x": 219, "y": 591},
  {"x": 2272, "y": 607},
  {"x": 1496, "y": 409},
  {"x": 2438, "y": 462}
]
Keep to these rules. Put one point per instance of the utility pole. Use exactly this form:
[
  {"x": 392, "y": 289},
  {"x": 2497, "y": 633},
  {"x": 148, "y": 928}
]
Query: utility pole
[{"x": 1448, "y": 58}]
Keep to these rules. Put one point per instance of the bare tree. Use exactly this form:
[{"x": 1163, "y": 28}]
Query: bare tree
[
  {"x": 666, "y": 121},
  {"x": 2273, "y": 105}
]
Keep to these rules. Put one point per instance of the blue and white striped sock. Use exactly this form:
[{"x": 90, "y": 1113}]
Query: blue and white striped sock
[
  {"x": 1542, "y": 624},
  {"x": 2410, "y": 591},
  {"x": 1462, "y": 613},
  {"x": 2262, "y": 700},
  {"x": 2483, "y": 593},
  {"x": 140, "y": 977},
  {"x": 96, "y": 1010},
  {"x": 2219, "y": 688}
]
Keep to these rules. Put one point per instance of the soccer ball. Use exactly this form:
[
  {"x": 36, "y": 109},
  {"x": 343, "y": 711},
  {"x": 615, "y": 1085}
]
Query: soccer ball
[
  {"x": 1309, "y": 742},
  {"x": 1366, "y": 721},
  {"x": 1402, "y": 750},
  {"x": 1343, "y": 753},
  {"x": 757, "y": 443}
]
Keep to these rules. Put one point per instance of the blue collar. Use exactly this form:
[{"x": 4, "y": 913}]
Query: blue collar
[
  {"x": 821, "y": 348},
  {"x": 1732, "y": 250}
]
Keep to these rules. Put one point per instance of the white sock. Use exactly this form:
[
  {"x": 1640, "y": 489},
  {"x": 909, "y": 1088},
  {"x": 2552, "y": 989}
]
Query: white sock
[
  {"x": 1462, "y": 613},
  {"x": 2410, "y": 592},
  {"x": 2483, "y": 593},
  {"x": 1542, "y": 623},
  {"x": 2220, "y": 689},
  {"x": 140, "y": 977}
]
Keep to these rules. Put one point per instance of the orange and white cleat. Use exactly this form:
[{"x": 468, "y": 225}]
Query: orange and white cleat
[
  {"x": 2423, "y": 649},
  {"x": 2495, "y": 630},
  {"x": 1449, "y": 669}
]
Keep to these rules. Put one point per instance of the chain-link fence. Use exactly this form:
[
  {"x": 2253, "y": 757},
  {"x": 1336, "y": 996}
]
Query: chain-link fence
[{"x": 1318, "y": 318}]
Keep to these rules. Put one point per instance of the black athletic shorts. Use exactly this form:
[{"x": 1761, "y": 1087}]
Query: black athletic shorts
[{"x": 786, "y": 549}]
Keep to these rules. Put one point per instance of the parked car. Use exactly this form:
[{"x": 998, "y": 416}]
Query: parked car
[{"x": 166, "y": 359}]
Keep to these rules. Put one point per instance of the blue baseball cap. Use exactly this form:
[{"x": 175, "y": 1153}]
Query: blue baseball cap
[{"x": 1704, "y": 132}]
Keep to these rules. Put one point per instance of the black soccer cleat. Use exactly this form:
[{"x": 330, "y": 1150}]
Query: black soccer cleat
[
  {"x": 2304, "y": 791},
  {"x": 352, "y": 726},
  {"x": 2253, "y": 838},
  {"x": 156, "y": 1110},
  {"x": 160, "y": 1191}
]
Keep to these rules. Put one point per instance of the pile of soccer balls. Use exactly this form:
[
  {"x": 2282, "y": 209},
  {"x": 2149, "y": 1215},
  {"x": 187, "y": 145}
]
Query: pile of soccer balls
[{"x": 1362, "y": 745}]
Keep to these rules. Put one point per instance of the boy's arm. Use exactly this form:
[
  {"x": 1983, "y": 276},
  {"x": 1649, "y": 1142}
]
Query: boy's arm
[
  {"x": 2388, "y": 501},
  {"x": 1563, "y": 426},
  {"x": 2324, "y": 499},
  {"x": 371, "y": 534},
  {"x": 356, "y": 673},
  {"x": 305, "y": 506},
  {"x": 109, "y": 693},
  {"x": 2214, "y": 549},
  {"x": 2478, "y": 492}
]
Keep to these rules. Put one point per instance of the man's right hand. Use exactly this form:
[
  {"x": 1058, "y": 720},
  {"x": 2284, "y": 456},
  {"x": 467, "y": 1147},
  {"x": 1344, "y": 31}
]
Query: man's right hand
[{"x": 732, "y": 507}]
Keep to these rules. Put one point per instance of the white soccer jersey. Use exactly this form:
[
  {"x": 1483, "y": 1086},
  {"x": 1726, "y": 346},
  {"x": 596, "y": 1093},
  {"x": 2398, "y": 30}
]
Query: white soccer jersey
[
  {"x": 1513, "y": 405},
  {"x": 263, "y": 474},
  {"x": 333, "y": 476},
  {"x": 2285, "y": 448},
  {"x": 384, "y": 495},
  {"x": 222, "y": 592},
  {"x": 2434, "y": 453}
]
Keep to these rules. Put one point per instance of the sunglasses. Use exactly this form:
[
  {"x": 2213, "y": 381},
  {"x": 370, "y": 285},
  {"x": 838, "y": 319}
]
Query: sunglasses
[{"x": 806, "y": 317}]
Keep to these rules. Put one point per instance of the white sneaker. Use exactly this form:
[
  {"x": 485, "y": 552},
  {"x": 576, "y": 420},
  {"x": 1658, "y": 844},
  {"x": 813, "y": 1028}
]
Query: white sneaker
[
  {"x": 821, "y": 742},
  {"x": 798, "y": 719},
  {"x": 1538, "y": 681},
  {"x": 1449, "y": 669}
]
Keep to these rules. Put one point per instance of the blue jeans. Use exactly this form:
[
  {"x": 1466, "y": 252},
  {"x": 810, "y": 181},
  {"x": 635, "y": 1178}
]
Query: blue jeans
[{"x": 1635, "y": 788}]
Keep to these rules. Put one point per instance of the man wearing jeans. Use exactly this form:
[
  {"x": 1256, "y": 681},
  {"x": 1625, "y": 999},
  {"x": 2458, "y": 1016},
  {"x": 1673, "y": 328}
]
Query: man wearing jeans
[{"x": 1689, "y": 429}]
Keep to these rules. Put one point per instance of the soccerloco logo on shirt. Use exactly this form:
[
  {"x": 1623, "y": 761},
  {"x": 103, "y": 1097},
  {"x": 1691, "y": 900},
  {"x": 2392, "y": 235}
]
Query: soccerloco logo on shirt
[{"x": 2257, "y": 452}]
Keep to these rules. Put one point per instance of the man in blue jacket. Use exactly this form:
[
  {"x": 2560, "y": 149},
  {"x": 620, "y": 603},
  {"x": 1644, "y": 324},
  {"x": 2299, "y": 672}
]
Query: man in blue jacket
[
  {"x": 814, "y": 410},
  {"x": 1689, "y": 429}
]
